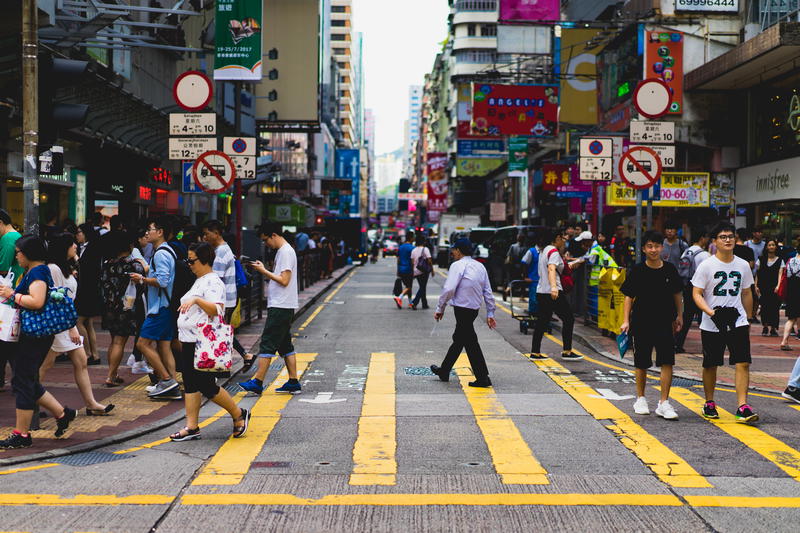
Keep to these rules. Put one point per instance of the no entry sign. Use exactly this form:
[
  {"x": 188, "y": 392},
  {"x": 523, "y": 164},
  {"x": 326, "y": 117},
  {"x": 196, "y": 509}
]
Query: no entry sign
[
  {"x": 213, "y": 172},
  {"x": 192, "y": 90},
  {"x": 640, "y": 167},
  {"x": 652, "y": 98}
]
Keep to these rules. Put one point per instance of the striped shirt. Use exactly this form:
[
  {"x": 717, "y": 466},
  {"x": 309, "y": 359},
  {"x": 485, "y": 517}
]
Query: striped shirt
[{"x": 225, "y": 268}]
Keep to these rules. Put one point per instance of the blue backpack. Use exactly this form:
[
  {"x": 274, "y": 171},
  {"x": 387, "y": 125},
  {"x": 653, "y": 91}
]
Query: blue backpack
[{"x": 241, "y": 275}]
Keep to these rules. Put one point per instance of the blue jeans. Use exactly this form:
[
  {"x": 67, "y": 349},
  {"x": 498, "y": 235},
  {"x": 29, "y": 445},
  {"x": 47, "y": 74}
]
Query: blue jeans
[{"x": 794, "y": 379}]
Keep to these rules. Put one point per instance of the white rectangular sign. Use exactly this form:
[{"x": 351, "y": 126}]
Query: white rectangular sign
[
  {"x": 597, "y": 147},
  {"x": 190, "y": 147},
  {"x": 245, "y": 166},
  {"x": 193, "y": 124},
  {"x": 239, "y": 145},
  {"x": 717, "y": 6},
  {"x": 596, "y": 168},
  {"x": 652, "y": 132},
  {"x": 412, "y": 196},
  {"x": 665, "y": 151}
]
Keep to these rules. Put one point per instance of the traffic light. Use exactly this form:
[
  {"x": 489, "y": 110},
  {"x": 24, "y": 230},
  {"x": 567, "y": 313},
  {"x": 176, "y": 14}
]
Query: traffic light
[
  {"x": 56, "y": 72},
  {"x": 403, "y": 187}
]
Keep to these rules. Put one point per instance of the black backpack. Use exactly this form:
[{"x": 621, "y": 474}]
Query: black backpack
[{"x": 184, "y": 279}]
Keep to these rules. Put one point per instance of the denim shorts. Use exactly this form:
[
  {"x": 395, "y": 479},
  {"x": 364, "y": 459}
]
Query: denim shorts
[{"x": 159, "y": 327}]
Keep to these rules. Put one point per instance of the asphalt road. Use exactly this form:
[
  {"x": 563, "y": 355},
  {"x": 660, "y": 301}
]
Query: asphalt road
[{"x": 376, "y": 443}]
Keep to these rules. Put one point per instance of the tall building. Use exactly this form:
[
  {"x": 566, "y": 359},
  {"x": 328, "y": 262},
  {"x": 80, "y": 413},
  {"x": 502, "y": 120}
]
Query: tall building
[
  {"x": 412, "y": 125},
  {"x": 346, "y": 53}
]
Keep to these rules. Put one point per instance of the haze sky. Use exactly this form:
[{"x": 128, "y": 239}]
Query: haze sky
[{"x": 401, "y": 40}]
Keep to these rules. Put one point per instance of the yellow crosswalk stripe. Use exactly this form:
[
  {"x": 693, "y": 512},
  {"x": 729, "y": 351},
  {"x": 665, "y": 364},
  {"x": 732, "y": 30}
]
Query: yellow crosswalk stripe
[
  {"x": 666, "y": 464},
  {"x": 513, "y": 459},
  {"x": 784, "y": 457},
  {"x": 374, "y": 461},
  {"x": 232, "y": 461}
]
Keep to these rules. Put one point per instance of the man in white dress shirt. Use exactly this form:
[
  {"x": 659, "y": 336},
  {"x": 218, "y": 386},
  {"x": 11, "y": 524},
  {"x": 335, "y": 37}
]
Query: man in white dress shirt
[{"x": 466, "y": 287}]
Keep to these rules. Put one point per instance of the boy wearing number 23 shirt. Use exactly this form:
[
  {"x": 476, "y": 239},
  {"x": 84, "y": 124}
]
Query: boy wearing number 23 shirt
[{"x": 722, "y": 290}]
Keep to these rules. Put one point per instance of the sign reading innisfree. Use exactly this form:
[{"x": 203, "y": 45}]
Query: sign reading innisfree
[{"x": 238, "y": 40}]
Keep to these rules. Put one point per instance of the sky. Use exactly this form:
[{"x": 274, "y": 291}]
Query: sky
[{"x": 401, "y": 39}]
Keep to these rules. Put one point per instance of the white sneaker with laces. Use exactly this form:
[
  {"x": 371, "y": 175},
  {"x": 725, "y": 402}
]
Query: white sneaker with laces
[
  {"x": 665, "y": 411},
  {"x": 140, "y": 367},
  {"x": 150, "y": 388},
  {"x": 640, "y": 406}
]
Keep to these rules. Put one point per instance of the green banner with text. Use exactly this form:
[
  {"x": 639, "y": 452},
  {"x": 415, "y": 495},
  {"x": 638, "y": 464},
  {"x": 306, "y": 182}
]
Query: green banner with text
[
  {"x": 238, "y": 40},
  {"x": 517, "y": 153}
]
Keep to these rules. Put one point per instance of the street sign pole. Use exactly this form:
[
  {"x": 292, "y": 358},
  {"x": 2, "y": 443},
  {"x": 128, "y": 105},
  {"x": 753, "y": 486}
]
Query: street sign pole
[
  {"x": 237, "y": 186},
  {"x": 596, "y": 215},
  {"x": 30, "y": 118},
  {"x": 601, "y": 193},
  {"x": 650, "y": 209},
  {"x": 638, "y": 225}
]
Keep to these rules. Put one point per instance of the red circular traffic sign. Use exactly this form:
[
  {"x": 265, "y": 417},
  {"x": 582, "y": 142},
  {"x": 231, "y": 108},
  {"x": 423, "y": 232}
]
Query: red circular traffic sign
[
  {"x": 192, "y": 90},
  {"x": 652, "y": 98},
  {"x": 640, "y": 167},
  {"x": 213, "y": 172}
]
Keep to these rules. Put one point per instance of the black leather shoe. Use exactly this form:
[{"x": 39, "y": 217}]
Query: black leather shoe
[
  {"x": 481, "y": 383},
  {"x": 441, "y": 375}
]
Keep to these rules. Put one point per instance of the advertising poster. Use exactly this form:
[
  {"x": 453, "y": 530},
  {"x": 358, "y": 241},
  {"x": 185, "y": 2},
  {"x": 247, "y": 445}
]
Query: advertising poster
[
  {"x": 514, "y": 110},
  {"x": 469, "y": 167},
  {"x": 663, "y": 59},
  {"x": 348, "y": 167},
  {"x": 464, "y": 112},
  {"x": 436, "y": 171},
  {"x": 530, "y": 10},
  {"x": 238, "y": 40},
  {"x": 678, "y": 189},
  {"x": 579, "y": 79},
  {"x": 517, "y": 154}
]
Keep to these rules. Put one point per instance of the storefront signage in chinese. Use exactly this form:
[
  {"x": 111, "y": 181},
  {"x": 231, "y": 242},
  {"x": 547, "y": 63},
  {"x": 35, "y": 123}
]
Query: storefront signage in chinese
[
  {"x": 718, "y": 6},
  {"x": 677, "y": 189},
  {"x": 517, "y": 154},
  {"x": 555, "y": 176}
]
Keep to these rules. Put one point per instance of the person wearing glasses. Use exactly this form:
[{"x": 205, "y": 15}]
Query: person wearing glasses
[{"x": 723, "y": 291}]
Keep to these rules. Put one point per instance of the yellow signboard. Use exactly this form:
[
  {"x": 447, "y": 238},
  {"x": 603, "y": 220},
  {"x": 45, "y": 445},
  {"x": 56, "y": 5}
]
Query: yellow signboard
[
  {"x": 678, "y": 189},
  {"x": 579, "y": 78},
  {"x": 474, "y": 166}
]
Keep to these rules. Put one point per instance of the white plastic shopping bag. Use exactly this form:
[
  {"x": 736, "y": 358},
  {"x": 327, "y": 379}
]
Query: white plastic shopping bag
[
  {"x": 9, "y": 322},
  {"x": 129, "y": 298}
]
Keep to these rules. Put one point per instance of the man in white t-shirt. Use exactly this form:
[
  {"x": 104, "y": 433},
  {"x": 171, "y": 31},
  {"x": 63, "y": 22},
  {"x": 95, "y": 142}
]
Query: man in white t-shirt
[
  {"x": 276, "y": 338},
  {"x": 723, "y": 292},
  {"x": 420, "y": 251}
]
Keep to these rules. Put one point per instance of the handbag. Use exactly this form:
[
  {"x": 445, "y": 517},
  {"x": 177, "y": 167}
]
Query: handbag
[
  {"x": 783, "y": 288},
  {"x": 9, "y": 321},
  {"x": 423, "y": 265},
  {"x": 398, "y": 287},
  {"x": 213, "y": 350},
  {"x": 57, "y": 315},
  {"x": 567, "y": 283}
]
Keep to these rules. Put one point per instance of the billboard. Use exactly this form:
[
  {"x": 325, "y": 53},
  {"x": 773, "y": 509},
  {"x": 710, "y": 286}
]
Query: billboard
[
  {"x": 579, "y": 79},
  {"x": 514, "y": 110},
  {"x": 530, "y": 10},
  {"x": 663, "y": 59},
  {"x": 524, "y": 39},
  {"x": 678, "y": 189},
  {"x": 436, "y": 171},
  {"x": 291, "y": 36},
  {"x": 464, "y": 113},
  {"x": 238, "y": 36},
  {"x": 348, "y": 167}
]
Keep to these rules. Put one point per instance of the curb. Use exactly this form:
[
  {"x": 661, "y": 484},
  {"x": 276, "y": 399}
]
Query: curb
[{"x": 161, "y": 424}]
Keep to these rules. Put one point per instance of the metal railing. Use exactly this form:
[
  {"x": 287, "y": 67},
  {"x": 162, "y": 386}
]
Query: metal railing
[
  {"x": 771, "y": 12},
  {"x": 476, "y": 5}
]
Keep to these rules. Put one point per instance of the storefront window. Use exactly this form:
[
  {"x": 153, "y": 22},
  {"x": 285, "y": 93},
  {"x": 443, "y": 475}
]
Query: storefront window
[{"x": 776, "y": 114}]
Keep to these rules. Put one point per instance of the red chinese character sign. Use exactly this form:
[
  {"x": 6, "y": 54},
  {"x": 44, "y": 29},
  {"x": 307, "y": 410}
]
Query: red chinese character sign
[
  {"x": 555, "y": 176},
  {"x": 437, "y": 181},
  {"x": 514, "y": 110}
]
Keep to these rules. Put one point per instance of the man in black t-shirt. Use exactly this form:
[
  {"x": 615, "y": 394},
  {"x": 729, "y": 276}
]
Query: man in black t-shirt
[{"x": 652, "y": 314}]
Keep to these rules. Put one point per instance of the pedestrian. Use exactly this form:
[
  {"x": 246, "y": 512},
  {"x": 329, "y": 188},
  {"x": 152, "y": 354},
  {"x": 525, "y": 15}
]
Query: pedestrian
[
  {"x": 769, "y": 268},
  {"x": 121, "y": 296},
  {"x": 423, "y": 268},
  {"x": 138, "y": 365},
  {"x": 28, "y": 353},
  {"x": 743, "y": 251},
  {"x": 405, "y": 270},
  {"x": 756, "y": 241},
  {"x": 301, "y": 241},
  {"x": 157, "y": 330},
  {"x": 621, "y": 248},
  {"x": 530, "y": 262},
  {"x": 550, "y": 297},
  {"x": 8, "y": 263},
  {"x": 98, "y": 223},
  {"x": 88, "y": 303},
  {"x": 225, "y": 268},
  {"x": 514, "y": 257},
  {"x": 144, "y": 246},
  {"x": 205, "y": 300},
  {"x": 791, "y": 271},
  {"x": 652, "y": 315},
  {"x": 723, "y": 292},
  {"x": 674, "y": 246},
  {"x": 691, "y": 258},
  {"x": 467, "y": 285},
  {"x": 282, "y": 302}
]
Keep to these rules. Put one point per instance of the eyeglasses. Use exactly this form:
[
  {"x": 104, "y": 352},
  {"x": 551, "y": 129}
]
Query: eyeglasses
[
  {"x": 727, "y": 237},
  {"x": 190, "y": 262}
]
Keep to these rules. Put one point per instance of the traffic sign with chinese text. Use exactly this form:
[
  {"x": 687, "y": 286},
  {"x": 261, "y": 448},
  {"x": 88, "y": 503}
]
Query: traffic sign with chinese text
[
  {"x": 190, "y": 147},
  {"x": 652, "y": 132},
  {"x": 596, "y": 168},
  {"x": 245, "y": 166},
  {"x": 192, "y": 123},
  {"x": 665, "y": 151}
]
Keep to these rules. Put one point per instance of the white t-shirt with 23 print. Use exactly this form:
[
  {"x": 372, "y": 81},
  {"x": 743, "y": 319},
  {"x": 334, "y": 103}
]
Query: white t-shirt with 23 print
[{"x": 722, "y": 285}]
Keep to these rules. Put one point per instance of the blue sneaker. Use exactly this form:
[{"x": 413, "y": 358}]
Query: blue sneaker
[
  {"x": 251, "y": 386},
  {"x": 291, "y": 388}
]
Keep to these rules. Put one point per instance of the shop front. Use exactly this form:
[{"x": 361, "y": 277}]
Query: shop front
[
  {"x": 62, "y": 197},
  {"x": 769, "y": 195}
]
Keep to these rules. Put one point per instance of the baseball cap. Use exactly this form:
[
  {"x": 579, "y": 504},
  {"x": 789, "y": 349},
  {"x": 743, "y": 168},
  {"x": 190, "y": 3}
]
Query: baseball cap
[
  {"x": 464, "y": 246},
  {"x": 584, "y": 236}
]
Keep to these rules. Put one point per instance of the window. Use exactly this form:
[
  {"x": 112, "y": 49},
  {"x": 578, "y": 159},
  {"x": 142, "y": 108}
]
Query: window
[
  {"x": 338, "y": 9},
  {"x": 341, "y": 65},
  {"x": 338, "y": 37},
  {"x": 475, "y": 56},
  {"x": 339, "y": 23},
  {"x": 471, "y": 30},
  {"x": 488, "y": 30},
  {"x": 339, "y": 51}
]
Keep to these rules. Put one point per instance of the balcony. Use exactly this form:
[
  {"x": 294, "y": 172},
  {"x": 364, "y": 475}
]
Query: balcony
[
  {"x": 461, "y": 43},
  {"x": 476, "y": 5}
]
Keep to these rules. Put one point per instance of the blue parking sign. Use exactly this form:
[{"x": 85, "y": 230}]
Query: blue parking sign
[{"x": 188, "y": 182}]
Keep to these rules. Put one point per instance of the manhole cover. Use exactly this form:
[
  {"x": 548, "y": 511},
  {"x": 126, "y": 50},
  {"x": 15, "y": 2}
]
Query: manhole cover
[
  {"x": 420, "y": 371},
  {"x": 89, "y": 458},
  {"x": 271, "y": 464},
  {"x": 682, "y": 382}
]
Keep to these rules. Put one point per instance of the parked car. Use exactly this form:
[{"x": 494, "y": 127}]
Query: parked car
[
  {"x": 498, "y": 245},
  {"x": 390, "y": 247}
]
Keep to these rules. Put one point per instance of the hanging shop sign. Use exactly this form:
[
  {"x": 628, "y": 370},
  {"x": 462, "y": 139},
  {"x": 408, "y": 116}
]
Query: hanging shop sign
[
  {"x": 514, "y": 110},
  {"x": 480, "y": 147},
  {"x": 237, "y": 54},
  {"x": 676, "y": 189},
  {"x": 555, "y": 175},
  {"x": 469, "y": 167},
  {"x": 779, "y": 180},
  {"x": 664, "y": 60},
  {"x": 517, "y": 154},
  {"x": 436, "y": 172},
  {"x": 721, "y": 193},
  {"x": 579, "y": 82}
]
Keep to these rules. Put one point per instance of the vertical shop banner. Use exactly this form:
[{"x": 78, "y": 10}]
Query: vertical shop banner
[
  {"x": 348, "y": 167},
  {"x": 664, "y": 60},
  {"x": 436, "y": 171},
  {"x": 514, "y": 110},
  {"x": 517, "y": 154},
  {"x": 530, "y": 10},
  {"x": 237, "y": 54},
  {"x": 555, "y": 176},
  {"x": 579, "y": 78}
]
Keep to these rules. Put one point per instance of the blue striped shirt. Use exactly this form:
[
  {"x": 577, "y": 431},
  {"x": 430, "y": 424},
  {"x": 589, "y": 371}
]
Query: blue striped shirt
[{"x": 225, "y": 268}]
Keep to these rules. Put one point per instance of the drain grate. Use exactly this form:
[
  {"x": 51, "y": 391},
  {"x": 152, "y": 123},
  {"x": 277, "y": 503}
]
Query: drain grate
[
  {"x": 421, "y": 371},
  {"x": 89, "y": 458},
  {"x": 233, "y": 388},
  {"x": 682, "y": 382},
  {"x": 271, "y": 464}
]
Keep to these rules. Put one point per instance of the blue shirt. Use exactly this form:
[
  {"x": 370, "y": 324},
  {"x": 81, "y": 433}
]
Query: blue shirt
[
  {"x": 301, "y": 241},
  {"x": 38, "y": 273},
  {"x": 162, "y": 267},
  {"x": 404, "y": 265}
]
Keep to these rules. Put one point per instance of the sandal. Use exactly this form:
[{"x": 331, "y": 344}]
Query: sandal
[
  {"x": 117, "y": 381},
  {"x": 239, "y": 431},
  {"x": 93, "y": 361},
  {"x": 185, "y": 434},
  {"x": 248, "y": 361},
  {"x": 100, "y": 412},
  {"x": 785, "y": 348}
]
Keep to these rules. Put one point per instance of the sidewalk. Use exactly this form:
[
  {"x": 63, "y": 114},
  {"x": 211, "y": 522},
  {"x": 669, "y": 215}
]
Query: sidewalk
[{"x": 134, "y": 413}]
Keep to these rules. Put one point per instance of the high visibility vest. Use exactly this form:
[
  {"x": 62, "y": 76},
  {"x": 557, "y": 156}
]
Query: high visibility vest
[{"x": 599, "y": 259}]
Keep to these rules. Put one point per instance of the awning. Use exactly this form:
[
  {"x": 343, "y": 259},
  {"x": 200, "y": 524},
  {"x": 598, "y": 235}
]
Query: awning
[{"x": 768, "y": 55}]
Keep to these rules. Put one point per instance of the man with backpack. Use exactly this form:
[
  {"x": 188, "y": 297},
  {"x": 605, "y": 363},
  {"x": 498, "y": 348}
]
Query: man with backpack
[
  {"x": 674, "y": 246},
  {"x": 690, "y": 259},
  {"x": 423, "y": 267}
]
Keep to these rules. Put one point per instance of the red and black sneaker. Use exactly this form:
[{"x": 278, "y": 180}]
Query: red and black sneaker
[
  {"x": 16, "y": 440},
  {"x": 710, "y": 410},
  {"x": 745, "y": 414}
]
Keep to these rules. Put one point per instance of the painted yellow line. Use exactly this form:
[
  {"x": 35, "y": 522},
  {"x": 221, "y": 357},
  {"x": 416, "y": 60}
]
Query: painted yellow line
[
  {"x": 205, "y": 423},
  {"x": 774, "y": 450},
  {"x": 667, "y": 465},
  {"x": 504, "y": 499},
  {"x": 795, "y": 407},
  {"x": 27, "y": 469},
  {"x": 743, "y": 501},
  {"x": 310, "y": 318},
  {"x": 513, "y": 459},
  {"x": 326, "y": 300},
  {"x": 374, "y": 461},
  {"x": 232, "y": 461},
  {"x": 329, "y": 297},
  {"x": 84, "y": 499}
]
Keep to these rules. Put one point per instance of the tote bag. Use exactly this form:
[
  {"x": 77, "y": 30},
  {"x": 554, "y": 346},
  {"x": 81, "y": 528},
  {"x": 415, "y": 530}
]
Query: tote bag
[{"x": 213, "y": 351}]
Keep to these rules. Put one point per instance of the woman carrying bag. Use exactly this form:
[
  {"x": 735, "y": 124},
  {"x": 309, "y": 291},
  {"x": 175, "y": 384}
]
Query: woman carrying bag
[
  {"x": 790, "y": 276},
  {"x": 31, "y": 296},
  {"x": 201, "y": 309}
]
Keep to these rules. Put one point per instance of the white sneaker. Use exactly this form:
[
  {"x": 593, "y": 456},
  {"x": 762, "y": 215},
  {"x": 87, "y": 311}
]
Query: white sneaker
[
  {"x": 131, "y": 361},
  {"x": 665, "y": 411},
  {"x": 140, "y": 367},
  {"x": 640, "y": 406},
  {"x": 150, "y": 388}
]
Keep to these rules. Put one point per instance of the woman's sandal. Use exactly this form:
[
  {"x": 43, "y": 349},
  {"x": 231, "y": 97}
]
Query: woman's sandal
[
  {"x": 248, "y": 362},
  {"x": 100, "y": 412},
  {"x": 239, "y": 431},
  {"x": 185, "y": 434},
  {"x": 116, "y": 382},
  {"x": 93, "y": 361}
]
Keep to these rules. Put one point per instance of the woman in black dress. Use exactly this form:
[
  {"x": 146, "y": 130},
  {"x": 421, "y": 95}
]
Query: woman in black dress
[
  {"x": 792, "y": 272},
  {"x": 88, "y": 302},
  {"x": 769, "y": 268}
]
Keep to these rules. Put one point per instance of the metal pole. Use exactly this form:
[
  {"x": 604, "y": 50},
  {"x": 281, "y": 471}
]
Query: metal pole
[
  {"x": 638, "y": 225},
  {"x": 601, "y": 189},
  {"x": 237, "y": 187},
  {"x": 30, "y": 113},
  {"x": 650, "y": 210},
  {"x": 595, "y": 195}
]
